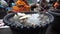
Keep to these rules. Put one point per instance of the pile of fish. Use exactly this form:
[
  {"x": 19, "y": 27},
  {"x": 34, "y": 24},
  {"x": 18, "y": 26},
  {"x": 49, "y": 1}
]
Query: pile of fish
[{"x": 31, "y": 20}]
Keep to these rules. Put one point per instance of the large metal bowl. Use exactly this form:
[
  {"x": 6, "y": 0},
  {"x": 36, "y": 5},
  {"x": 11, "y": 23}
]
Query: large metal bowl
[{"x": 17, "y": 26}]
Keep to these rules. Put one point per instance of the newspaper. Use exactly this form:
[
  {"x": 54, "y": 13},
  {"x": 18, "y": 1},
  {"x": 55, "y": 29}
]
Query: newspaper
[{"x": 2, "y": 24}]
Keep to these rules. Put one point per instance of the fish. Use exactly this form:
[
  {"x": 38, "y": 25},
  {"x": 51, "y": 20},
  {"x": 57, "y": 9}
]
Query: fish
[{"x": 26, "y": 16}]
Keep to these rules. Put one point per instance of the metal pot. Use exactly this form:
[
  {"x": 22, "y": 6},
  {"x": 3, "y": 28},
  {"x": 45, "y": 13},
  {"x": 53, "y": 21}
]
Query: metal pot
[{"x": 56, "y": 24}]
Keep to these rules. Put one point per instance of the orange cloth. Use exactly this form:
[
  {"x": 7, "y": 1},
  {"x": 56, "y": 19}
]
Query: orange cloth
[
  {"x": 17, "y": 9},
  {"x": 56, "y": 5},
  {"x": 20, "y": 2},
  {"x": 21, "y": 9}
]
